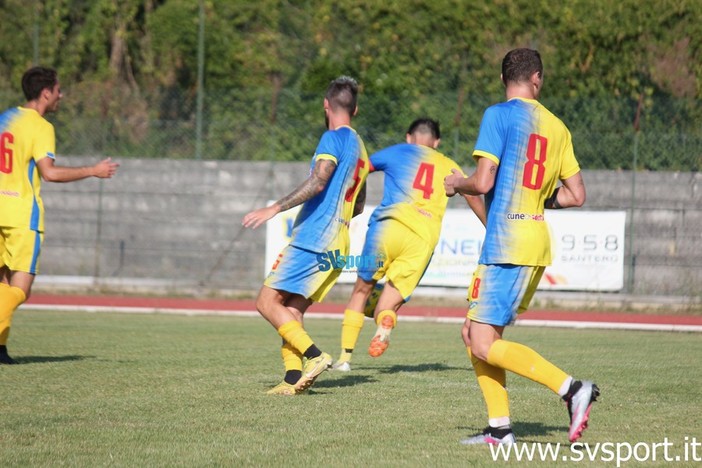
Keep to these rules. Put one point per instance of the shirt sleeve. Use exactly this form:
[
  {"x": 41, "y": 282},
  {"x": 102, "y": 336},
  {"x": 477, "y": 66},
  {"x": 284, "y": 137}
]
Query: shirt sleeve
[
  {"x": 44, "y": 143},
  {"x": 491, "y": 138},
  {"x": 327, "y": 148},
  {"x": 379, "y": 160}
]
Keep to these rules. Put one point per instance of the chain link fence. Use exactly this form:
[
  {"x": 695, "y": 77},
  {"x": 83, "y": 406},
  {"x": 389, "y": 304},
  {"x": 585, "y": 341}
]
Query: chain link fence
[{"x": 648, "y": 133}]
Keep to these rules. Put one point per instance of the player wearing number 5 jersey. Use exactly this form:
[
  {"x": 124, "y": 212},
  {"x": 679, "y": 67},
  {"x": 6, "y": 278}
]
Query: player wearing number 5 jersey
[
  {"x": 402, "y": 234},
  {"x": 27, "y": 156},
  {"x": 522, "y": 151},
  {"x": 330, "y": 197}
]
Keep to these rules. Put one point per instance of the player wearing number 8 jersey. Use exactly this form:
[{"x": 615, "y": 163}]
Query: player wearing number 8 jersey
[
  {"x": 533, "y": 151},
  {"x": 402, "y": 233},
  {"x": 522, "y": 151}
]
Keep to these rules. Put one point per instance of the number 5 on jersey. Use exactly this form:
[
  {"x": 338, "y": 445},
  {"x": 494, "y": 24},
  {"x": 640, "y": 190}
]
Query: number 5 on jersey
[{"x": 360, "y": 164}]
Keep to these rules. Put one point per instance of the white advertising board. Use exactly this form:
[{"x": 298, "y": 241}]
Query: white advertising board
[{"x": 587, "y": 247}]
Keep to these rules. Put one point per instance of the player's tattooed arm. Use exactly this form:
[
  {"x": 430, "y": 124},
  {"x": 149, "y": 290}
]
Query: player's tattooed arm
[
  {"x": 315, "y": 183},
  {"x": 360, "y": 201}
]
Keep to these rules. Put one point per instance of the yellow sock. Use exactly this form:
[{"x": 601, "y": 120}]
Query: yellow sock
[
  {"x": 350, "y": 330},
  {"x": 492, "y": 381},
  {"x": 295, "y": 335},
  {"x": 389, "y": 313},
  {"x": 526, "y": 362},
  {"x": 292, "y": 358},
  {"x": 10, "y": 298}
]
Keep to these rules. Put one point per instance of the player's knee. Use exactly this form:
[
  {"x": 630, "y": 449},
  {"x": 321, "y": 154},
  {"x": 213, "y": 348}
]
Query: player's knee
[
  {"x": 479, "y": 350},
  {"x": 263, "y": 301},
  {"x": 465, "y": 335},
  {"x": 363, "y": 287}
]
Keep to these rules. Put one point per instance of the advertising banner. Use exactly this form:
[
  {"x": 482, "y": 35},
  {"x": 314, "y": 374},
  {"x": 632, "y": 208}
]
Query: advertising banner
[{"x": 587, "y": 246}]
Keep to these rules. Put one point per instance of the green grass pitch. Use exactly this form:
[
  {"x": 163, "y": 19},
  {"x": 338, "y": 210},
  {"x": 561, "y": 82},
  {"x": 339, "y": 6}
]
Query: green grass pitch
[{"x": 166, "y": 390}]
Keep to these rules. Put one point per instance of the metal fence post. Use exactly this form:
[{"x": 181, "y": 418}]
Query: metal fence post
[
  {"x": 632, "y": 255},
  {"x": 98, "y": 235},
  {"x": 200, "y": 80}
]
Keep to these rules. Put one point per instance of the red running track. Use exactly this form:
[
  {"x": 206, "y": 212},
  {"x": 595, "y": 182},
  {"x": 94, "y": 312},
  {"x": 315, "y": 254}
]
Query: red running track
[{"x": 572, "y": 318}]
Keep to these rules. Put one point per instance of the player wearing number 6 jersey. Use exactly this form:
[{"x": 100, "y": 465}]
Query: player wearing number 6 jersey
[
  {"x": 27, "y": 156},
  {"x": 522, "y": 151},
  {"x": 332, "y": 194},
  {"x": 402, "y": 233}
]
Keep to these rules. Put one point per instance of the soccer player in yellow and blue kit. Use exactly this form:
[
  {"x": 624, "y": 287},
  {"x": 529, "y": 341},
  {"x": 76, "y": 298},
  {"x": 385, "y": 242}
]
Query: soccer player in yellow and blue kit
[
  {"x": 522, "y": 151},
  {"x": 402, "y": 233},
  {"x": 27, "y": 154},
  {"x": 330, "y": 197}
]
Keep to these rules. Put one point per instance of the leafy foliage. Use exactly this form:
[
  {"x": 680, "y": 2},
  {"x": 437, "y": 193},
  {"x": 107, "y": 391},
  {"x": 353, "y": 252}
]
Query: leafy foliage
[{"x": 130, "y": 68}]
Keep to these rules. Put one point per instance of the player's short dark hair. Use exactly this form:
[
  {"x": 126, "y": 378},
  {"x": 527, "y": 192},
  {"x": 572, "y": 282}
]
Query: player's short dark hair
[
  {"x": 519, "y": 64},
  {"x": 37, "y": 79},
  {"x": 425, "y": 125},
  {"x": 343, "y": 93}
]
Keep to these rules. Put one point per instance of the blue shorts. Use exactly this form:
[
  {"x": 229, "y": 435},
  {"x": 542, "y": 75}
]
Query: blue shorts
[
  {"x": 498, "y": 293},
  {"x": 302, "y": 272}
]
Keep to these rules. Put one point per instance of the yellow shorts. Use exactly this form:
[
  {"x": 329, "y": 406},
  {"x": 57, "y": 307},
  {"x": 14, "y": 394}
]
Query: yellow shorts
[
  {"x": 405, "y": 256},
  {"x": 20, "y": 248}
]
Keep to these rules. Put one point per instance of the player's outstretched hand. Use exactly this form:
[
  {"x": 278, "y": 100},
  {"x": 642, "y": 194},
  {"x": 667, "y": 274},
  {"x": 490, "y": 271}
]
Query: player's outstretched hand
[
  {"x": 257, "y": 217},
  {"x": 105, "y": 169},
  {"x": 450, "y": 182}
]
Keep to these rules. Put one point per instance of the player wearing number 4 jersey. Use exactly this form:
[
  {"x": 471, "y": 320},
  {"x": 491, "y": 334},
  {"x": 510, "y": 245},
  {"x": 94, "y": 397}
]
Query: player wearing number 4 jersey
[
  {"x": 27, "y": 156},
  {"x": 522, "y": 151},
  {"x": 402, "y": 233}
]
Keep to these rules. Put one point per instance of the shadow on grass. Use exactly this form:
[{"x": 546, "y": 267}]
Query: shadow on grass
[
  {"x": 523, "y": 430},
  {"x": 426, "y": 367},
  {"x": 345, "y": 381},
  {"x": 43, "y": 359},
  {"x": 527, "y": 429}
]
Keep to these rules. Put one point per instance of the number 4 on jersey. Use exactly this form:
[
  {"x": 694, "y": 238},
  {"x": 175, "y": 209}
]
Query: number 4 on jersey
[{"x": 424, "y": 180}]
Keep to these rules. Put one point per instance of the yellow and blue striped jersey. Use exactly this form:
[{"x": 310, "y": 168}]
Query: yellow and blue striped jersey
[
  {"x": 25, "y": 138},
  {"x": 326, "y": 216},
  {"x": 533, "y": 150},
  {"x": 413, "y": 190}
]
